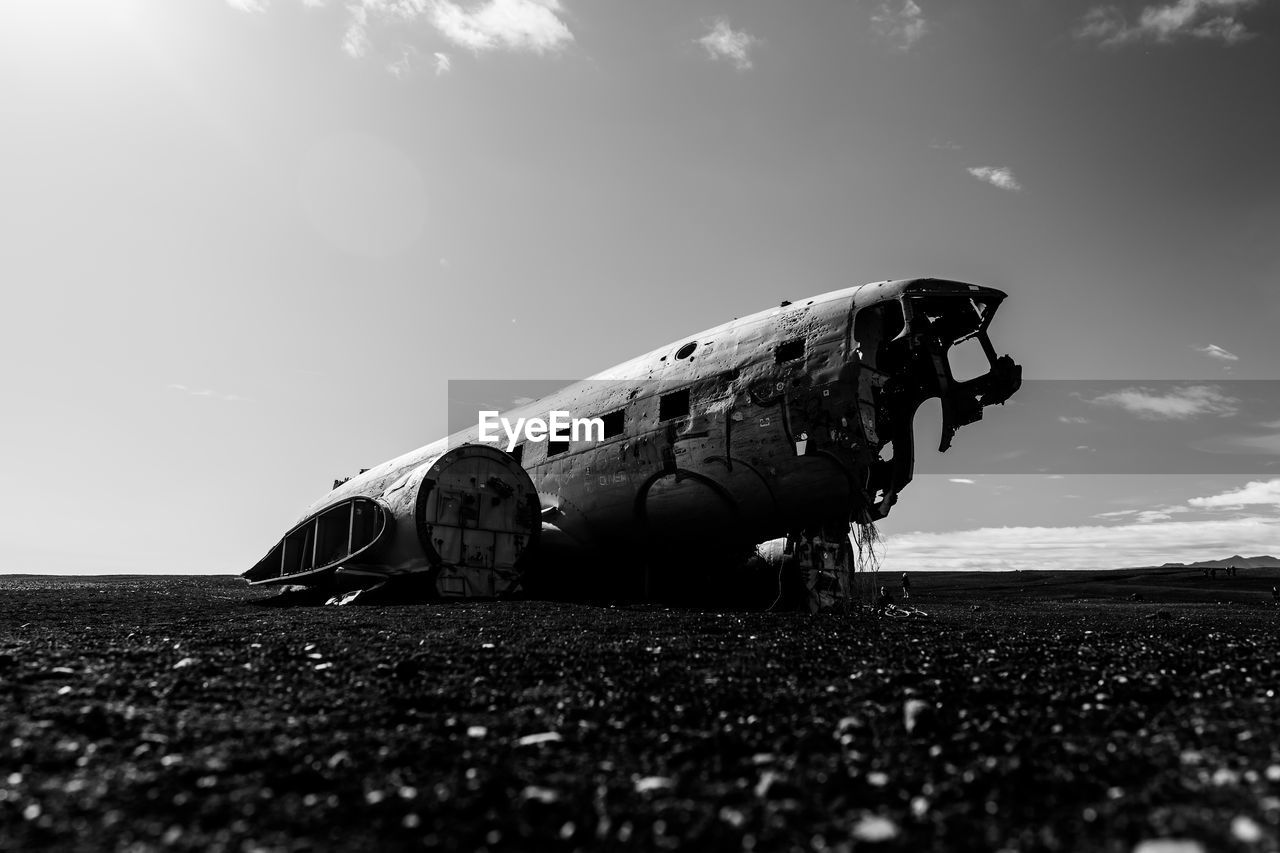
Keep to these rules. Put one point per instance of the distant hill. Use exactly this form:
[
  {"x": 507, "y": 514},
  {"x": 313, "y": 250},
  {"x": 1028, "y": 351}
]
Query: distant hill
[
  {"x": 1263, "y": 562},
  {"x": 1155, "y": 584}
]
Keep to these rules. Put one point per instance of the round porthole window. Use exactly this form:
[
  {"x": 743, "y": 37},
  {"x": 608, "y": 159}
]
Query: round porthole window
[{"x": 687, "y": 350}]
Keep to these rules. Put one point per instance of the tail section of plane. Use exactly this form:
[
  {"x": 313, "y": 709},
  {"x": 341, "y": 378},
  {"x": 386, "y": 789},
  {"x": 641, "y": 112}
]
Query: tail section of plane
[{"x": 464, "y": 518}]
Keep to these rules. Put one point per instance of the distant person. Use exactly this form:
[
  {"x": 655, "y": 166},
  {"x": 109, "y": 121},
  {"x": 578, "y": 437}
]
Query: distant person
[
  {"x": 906, "y": 586},
  {"x": 1214, "y": 573},
  {"x": 1275, "y": 594},
  {"x": 884, "y": 601}
]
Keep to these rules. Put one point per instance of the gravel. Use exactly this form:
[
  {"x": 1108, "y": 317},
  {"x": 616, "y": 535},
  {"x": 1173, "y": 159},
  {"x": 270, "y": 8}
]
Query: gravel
[{"x": 183, "y": 713}]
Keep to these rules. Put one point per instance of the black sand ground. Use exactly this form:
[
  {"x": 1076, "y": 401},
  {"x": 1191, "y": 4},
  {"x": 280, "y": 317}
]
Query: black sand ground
[{"x": 174, "y": 713}]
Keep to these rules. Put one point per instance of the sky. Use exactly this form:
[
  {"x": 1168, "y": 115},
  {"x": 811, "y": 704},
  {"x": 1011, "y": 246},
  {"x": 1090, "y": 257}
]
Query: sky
[{"x": 248, "y": 243}]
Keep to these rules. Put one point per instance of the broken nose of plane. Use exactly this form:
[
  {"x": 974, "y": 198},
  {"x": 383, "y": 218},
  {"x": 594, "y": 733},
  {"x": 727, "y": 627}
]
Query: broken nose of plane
[{"x": 915, "y": 349}]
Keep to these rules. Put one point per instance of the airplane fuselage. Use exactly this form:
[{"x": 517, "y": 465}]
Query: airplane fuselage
[{"x": 752, "y": 429}]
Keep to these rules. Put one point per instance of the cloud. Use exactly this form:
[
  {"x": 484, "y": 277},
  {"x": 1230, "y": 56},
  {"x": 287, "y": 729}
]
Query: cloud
[
  {"x": 1101, "y": 546},
  {"x": 205, "y": 392},
  {"x": 402, "y": 66},
  {"x": 531, "y": 25},
  {"x": 1103, "y": 23},
  {"x": 900, "y": 25},
  {"x": 1146, "y": 516},
  {"x": 261, "y": 5},
  {"x": 724, "y": 42},
  {"x": 1071, "y": 419},
  {"x": 963, "y": 480},
  {"x": 1149, "y": 516},
  {"x": 1215, "y": 351},
  {"x": 516, "y": 25},
  {"x": 997, "y": 176},
  {"x": 355, "y": 41},
  {"x": 1258, "y": 492},
  {"x": 944, "y": 145},
  {"x": 1213, "y": 20},
  {"x": 1179, "y": 404}
]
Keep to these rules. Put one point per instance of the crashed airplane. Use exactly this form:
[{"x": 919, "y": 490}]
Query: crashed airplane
[{"x": 790, "y": 425}]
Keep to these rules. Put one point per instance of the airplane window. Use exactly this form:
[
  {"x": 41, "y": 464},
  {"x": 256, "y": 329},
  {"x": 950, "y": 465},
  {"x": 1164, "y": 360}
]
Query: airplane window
[
  {"x": 613, "y": 423},
  {"x": 517, "y": 453},
  {"x": 876, "y": 323},
  {"x": 366, "y": 523},
  {"x": 673, "y": 405},
  {"x": 967, "y": 360},
  {"x": 554, "y": 447},
  {"x": 333, "y": 535},
  {"x": 790, "y": 351},
  {"x": 687, "y": 350}
]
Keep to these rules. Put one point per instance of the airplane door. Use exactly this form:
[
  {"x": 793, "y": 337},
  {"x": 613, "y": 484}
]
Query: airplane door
[
  {"x": 478, "y": 538},
  {"x": 476, "y": 514},
  {"x": 450, "y": 521}
]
